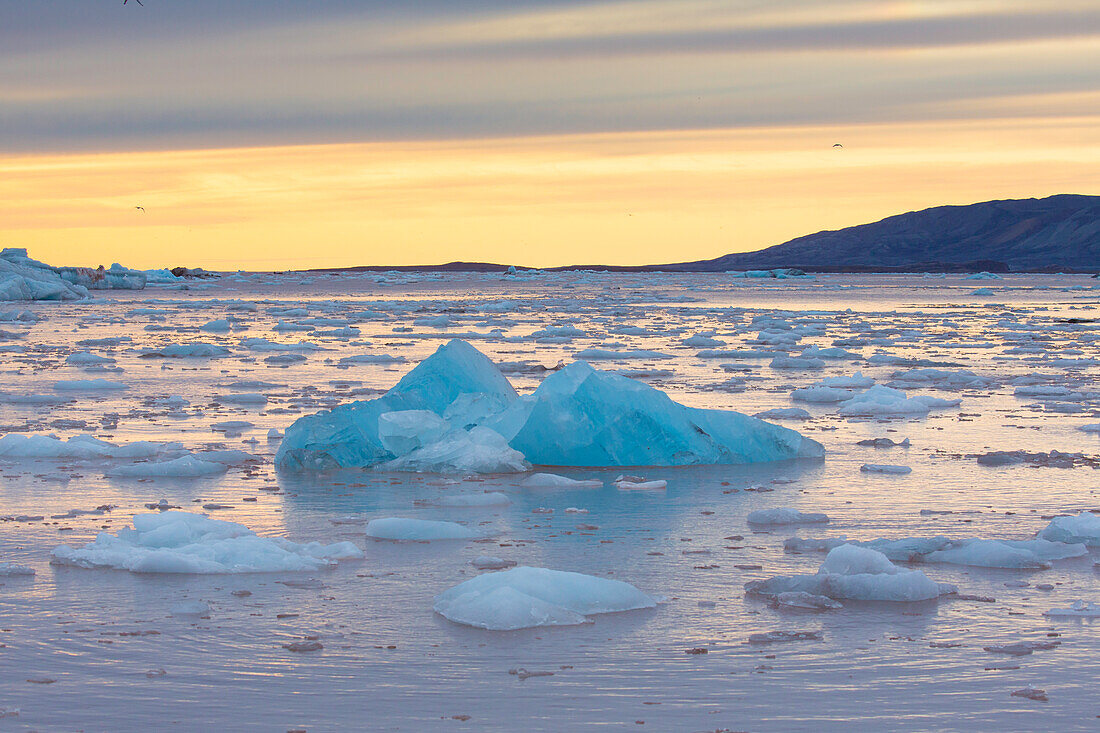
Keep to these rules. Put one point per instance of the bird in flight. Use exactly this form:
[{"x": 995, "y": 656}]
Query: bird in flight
[
  {"x": 139, "y": 2},
  {"x": 140, "y": 208},
  {"x": 837, "y": 145}
]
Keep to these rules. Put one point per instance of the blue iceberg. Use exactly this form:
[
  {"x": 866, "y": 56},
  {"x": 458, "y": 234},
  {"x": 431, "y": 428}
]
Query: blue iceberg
[{"x": 578, "y": 416}]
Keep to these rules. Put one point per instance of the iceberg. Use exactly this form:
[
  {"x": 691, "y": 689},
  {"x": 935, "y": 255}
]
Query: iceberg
[
  {"x": 784, "y": 516},
  {"x": 456, "y": 412},
  {"x": 583, "y": 417},
  {"x": 182, "y": 542},
  {"x": 526, "y": 597}
]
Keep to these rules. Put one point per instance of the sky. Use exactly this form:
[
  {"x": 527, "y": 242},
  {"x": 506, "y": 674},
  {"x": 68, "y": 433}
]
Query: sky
[{"x": 269, "y": 134}]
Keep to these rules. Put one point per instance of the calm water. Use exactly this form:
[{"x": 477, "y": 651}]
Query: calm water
[{"x": 390, "y": 663}]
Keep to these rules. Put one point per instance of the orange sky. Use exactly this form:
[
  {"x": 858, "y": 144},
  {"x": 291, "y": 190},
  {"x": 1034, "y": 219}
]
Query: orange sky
[{"x": 623, "y": 198}]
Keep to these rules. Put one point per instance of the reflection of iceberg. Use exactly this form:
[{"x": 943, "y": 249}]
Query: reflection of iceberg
[
  {"x": 577, "y": 417},
  {"x": 22, "y": 278}
]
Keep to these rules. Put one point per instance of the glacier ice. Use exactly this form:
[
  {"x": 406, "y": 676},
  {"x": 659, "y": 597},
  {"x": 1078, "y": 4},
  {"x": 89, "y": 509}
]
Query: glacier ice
[
  {"x": 526, "y": 597},
  {"x": 182, "y": 542},
  {"x": 1083, "y": 528},
  {"x": 455, "y": 412}
]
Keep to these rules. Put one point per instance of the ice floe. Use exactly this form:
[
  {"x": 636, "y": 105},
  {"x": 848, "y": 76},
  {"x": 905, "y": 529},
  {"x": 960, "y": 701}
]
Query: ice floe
[
  {"x": 182, "y": 542},
  {"x": 526, "y": 597}
]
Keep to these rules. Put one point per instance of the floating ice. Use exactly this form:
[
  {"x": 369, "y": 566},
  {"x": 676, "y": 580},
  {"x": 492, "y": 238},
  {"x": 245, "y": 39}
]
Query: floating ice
[
  {"x": 553, "y": 481},
  {"x": 1013, "y": 554},
  {"x": 11, "y": 570},
  {"x": 182, "y": 467},
  {"x": 18, "y": 446},
  {"x": 885, "y": 468},
  {"x": 1078, "y": 609},
  {"x": 885, "y": 401},
  {"x": 488, "y": 498},
  {"x": 182, "y": 542},
  {"x": 783, "y": 413},
  {"x": 856, "y": 573},
  {"x": 400, "y": 529},
  {"x": 608, "y": 354},
  {"x": 611, "y": 421},
  {"x": 187, "y": 351},
  {"x": 88, "y": 385},
  {"x": 526, "y": 597},
  {"x": 1083, "y": 528}
]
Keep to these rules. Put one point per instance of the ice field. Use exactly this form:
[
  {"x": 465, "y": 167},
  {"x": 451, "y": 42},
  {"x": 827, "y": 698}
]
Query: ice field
[{"x": 439, "y": 562}]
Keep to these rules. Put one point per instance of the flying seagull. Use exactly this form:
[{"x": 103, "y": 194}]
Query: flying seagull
[
  {"x": 837, "y": 145},
  {"x": 139, "y": 208},
  {"x": 139, "y": 2}
]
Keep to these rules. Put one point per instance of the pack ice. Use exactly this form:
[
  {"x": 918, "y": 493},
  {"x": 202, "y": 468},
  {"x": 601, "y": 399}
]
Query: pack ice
[
  {"x": 182, "y": 542},
  {"x": 22, "y": 278},
  {"x": 526, "y": 597},
  {"x": 456, "y": 412}
]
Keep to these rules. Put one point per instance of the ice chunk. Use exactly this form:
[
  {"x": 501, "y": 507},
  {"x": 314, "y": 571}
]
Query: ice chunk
[
  {"x": 583, "y": 417},
  {"x": 182, "y": 542},
  {"x": 400, "y": 529},
  {"x": 186, "y": 351},
  {"x": 22, "y": 278},
  {"x": 348, "y": 436},
  {"x": 801, "y": 601},
  {"x": 488, "y": 498},
  {"x": 487, "y": 562},
  {"x": 11, "y": 570},
  {"x": 885, "y": 401},
  {"x": 858, "y": 573},
  {"x": 526, "y": 597},
  {"x": 1083, "y": 528},
  {"x": 553, "y": 481},
  {"x": 783, "y": 515},
  {"x": 609, "y": 355},
  {"x": 1078, "y": 609},
  {"x": 48, "y": 447},
  {"x": 182, "y": 467},
  {"x": 88, "y": 385},
  {"x": 885, "y": 468}
]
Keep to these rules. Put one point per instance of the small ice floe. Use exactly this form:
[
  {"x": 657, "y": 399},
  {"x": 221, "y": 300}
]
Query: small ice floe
[
  {"x": 554, "y": 481},
  {"x": 400, "y": 529},
  {"x": 194, "y": 350},
  {"x": 821, "y": 395},
  {"x": 856, "y": 573},
  {"x": 796, "y": 362},
  {"x": 84, "y": 358},
  {"x": 1022, "y": 648},
  {"x": 274, "y": 434},
  {"x": 782, "y": 516},
  {"x": 883, "y": 443},
  {"x": 182, "y": 542},
  {"x": 885, "y": 468},
  {"x": 880, "y": 401},
  {"x": 526, "y": 597},
  {"x": 88, "y": 385},
  {"x": 486, "y": 562},
  {"x": 1010, "y": 554},
  {"x": 609, "y": 354},
  {"x": 1083, "y": 528},
  {"x": 777, "y": 637},
  {"x": 242, "y": 398},
  {"x": 11, "y": 570},
  {"x": 783, "y": 413},
  {"x": 487, "y": 498},
  {"x": 284, "y": 359},
  {"x": 79, "y": 447},
  {"x": 231, "y": 427},
  {"x": 183, "y": 467},
  {"x": 1031, "y": 693},
  {"x": 220, "y": 325},
  {"x": 627, "y": 484},
  {"x": 1090, "y": 428},
  {"x": 1077, "y": 609},
  {"x": 802, "y": 601}
]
